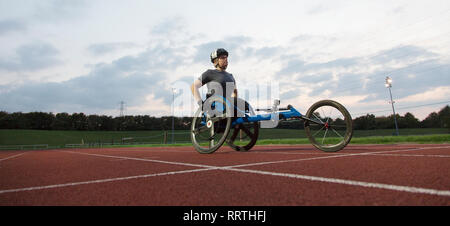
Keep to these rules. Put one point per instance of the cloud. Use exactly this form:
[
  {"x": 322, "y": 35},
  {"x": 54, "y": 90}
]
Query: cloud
[
  {"x": 156, "y": 58},
  {"x": 8, "y": 26},
  {"x": 293, "y": 66},
  {"x": 401, "y": 53},
  {"x": 408, "y": 80},
  {"x": 297, "y": 66},
  {"x": 413, "y": 69},
  {"x": 99, "y": 49},
  {"x": 317, "y": 9},
  {"x": 31, "y": 57},
  {"x": 130, "y": 78},
  {"x": 100, "y": 90},
  {"x": 302, "y": 64},
  {"x": 263, "y": 53},
  {"x": 56, "y": 11},
  {"x": 431, "y": 94},
  {"x": 168, "y": 26},
  {"x": 235, "y": 45}
]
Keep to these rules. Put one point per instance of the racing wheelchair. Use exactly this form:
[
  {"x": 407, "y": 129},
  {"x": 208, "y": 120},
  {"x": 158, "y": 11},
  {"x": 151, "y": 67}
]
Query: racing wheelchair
[{"x": 327, "y": 124}]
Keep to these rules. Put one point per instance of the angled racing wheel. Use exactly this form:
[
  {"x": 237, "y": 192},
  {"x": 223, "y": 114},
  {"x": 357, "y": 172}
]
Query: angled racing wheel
[{"x": 211, "y": 125}]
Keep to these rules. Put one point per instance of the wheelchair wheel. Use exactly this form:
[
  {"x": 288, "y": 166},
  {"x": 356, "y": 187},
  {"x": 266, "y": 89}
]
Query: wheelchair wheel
[
  {"x": 244, "y": 136},
  {"x": 210, "y": 125},
  {"x": 330, "y": 126},
  {"x": 249, "y": 132}
]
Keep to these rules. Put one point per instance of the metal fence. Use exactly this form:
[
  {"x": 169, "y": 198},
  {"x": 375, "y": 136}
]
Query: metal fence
[{"x": 24, "y": 147}]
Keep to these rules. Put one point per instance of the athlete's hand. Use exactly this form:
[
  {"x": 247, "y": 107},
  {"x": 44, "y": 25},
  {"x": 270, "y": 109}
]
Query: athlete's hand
[{"x": 200, "y": 103}]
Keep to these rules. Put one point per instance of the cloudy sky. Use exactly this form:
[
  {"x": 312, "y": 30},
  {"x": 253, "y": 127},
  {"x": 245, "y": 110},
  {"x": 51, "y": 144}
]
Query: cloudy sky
[{"x": 88, "y": 56}]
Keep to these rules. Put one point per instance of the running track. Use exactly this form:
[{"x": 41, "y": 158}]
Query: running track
[{"x": 282, "y": 175}]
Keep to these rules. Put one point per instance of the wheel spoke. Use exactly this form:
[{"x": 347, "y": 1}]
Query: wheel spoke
[
  {"x": 218, "y": 118},
  {"x": 339, "y": 126},
  {"x": 234, "y": 135},
  {"x": 323, "y": 114},
  {"x": 247, "y": 131},
  {"x": 317, "y": 118},
  {"x": 318, "y": 131},
  {"x": 200, "y": 129},
  {"x": 250, "y": 132},
  {"x": 337, "y": 133},
  {"x": 323, "y": 139}
]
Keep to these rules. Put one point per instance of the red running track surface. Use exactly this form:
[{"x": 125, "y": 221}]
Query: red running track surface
[{"x": 282, "y": 175}]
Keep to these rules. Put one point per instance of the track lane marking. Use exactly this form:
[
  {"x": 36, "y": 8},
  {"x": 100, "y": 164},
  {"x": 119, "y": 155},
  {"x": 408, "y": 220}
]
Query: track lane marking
[
  {"x": 414, "y": 155},
  {"x": 333, "y": 156},
  {"x": 13, "y": 156},
  {"x": 101, "y": 181},
  {"x": 140, "y": 159},
  {"x": 350, "y": 182}
]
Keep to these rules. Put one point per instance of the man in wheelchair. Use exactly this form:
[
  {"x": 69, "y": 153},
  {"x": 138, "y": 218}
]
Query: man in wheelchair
[{"x": 220, "y": 82}]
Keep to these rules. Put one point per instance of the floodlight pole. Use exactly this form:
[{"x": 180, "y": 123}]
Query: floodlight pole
[
  {"x": 389, "y": 85},
  {"x": 173, "y": 113}
]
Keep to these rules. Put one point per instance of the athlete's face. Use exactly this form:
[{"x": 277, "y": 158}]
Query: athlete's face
[{"x": 223, "y": 62}]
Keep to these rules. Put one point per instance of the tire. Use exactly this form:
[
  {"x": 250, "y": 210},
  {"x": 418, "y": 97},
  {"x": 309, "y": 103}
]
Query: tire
[
  {"x": 250, "y": 133},
  {"x": 332, "y": 131},
  {"x": 245, "y": 133},
  {"x": 211, "y": 125}
]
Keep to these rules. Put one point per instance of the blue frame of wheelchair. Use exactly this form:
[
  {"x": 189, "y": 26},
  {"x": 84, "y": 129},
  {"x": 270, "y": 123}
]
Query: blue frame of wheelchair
[{"x": 291, "y": 113}]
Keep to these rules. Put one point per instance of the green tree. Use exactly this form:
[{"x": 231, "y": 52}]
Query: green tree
[
  {"x": 365, "y": 122},
  {"x": 444, "y": 117},
  {"x": 408, "y": 121},
  {"x": 79, "y": 121},
  {"x": 62, "y": 122}
]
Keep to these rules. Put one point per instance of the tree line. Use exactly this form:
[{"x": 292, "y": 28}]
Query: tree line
[
  {"x": 80, "y": 121},
  {"x": 439, "y": 119}
]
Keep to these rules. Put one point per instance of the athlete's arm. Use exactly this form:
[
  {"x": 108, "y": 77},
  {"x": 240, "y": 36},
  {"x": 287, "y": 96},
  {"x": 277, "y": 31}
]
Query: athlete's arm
[
  {"x": 194, "y": 89},
  {"x": 234, "y": 94}
]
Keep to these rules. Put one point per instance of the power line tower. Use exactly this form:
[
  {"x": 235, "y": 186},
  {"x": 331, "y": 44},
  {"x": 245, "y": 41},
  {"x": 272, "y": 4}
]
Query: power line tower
[{"x": 122, "y": 103}]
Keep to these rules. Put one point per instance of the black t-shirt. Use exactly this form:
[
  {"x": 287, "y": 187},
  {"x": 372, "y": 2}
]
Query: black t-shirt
[{"x": 218, "y": 83}]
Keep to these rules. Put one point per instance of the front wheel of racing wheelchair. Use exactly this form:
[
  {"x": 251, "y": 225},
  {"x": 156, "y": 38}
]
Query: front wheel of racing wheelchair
[{"x": 328, "y": 126}]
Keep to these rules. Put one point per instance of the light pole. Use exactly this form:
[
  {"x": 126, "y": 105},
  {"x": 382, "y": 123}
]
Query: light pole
[
  {"x": 388, "y": 84},
  {"x": 174, "y": 90}
]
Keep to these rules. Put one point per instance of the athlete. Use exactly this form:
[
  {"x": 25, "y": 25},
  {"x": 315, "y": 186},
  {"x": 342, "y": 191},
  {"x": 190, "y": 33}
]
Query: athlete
[
  {"x": 217, "y": 80},
  {"x": 221, "y": 83}
]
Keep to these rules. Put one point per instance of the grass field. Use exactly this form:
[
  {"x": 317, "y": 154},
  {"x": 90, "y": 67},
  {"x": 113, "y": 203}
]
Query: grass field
[{"x": 266, "y": 136}]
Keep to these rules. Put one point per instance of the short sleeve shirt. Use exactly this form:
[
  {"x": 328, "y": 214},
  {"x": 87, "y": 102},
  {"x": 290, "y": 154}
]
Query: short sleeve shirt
[{"x": 218, "y": 82}]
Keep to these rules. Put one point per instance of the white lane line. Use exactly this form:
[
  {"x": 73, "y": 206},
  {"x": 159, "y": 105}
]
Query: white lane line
[
  {"x": 349, "y": 182},
  {"x": 13, "y": 156},
  {"x": 140, "y": 159},
  {"x": 412, "y": 155},
  {"x": 334, "y": 156},
  {"x": 102, "y": 180},
  {"x": 323, "y": 153}
]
